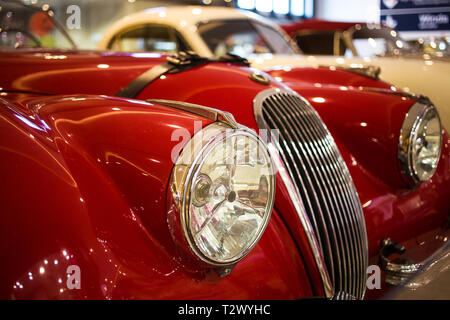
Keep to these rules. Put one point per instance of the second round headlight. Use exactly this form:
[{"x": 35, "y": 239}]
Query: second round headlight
[
  {"x": 225, "y": 193},
  {"x": 420, "y": 142}
]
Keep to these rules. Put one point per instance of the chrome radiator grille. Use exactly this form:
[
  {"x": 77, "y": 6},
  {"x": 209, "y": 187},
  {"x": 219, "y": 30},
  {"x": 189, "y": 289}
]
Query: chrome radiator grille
[{"x": 323, "y": 183}]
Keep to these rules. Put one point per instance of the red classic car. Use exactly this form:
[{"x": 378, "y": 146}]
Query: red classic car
[
  {"x": 126, "y": 176},
  {"x": 322, "y": 37}
]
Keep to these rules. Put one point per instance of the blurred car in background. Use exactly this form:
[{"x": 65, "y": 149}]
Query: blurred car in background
[
  {"x": 438, "y": 47},
  {"x": 349, "y": 39}
]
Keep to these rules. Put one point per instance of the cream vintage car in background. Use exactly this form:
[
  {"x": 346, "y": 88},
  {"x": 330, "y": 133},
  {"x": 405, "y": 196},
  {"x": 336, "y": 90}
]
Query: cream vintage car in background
[{"x": 214, "y": 31}]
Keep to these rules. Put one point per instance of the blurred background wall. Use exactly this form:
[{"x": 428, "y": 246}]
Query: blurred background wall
[
  {"x": 409, "y": 16},
  {"x": 348, "y": 10}
]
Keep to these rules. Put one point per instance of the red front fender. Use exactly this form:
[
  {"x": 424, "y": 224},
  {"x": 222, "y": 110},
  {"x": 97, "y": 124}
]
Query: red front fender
[{"x": 80, "y": 186}]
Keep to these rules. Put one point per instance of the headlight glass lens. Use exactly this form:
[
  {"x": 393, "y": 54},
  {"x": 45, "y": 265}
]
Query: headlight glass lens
[
  {"x": 230, "y": 197},
  {"x": 421, "y": 142},
  {"x": 426, "y": 146},
  {"x": 228, "y": 194}
]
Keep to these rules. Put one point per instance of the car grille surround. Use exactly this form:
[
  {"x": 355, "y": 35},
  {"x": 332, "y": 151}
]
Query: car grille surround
[{"x": 323, "y": 184}]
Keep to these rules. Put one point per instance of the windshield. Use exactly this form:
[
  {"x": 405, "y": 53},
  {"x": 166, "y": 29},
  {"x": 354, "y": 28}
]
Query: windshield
[
  {"x": 370, "y": 42},
  {"x": 243, "y": 37},
  {"x": 24, "y": 26}
]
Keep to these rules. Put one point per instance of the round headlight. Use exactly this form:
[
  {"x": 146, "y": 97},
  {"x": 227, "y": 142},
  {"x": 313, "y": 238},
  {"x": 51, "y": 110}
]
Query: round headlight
[
  {"x": 223, "y": 184},
  {"x": 420, "y": 142}
]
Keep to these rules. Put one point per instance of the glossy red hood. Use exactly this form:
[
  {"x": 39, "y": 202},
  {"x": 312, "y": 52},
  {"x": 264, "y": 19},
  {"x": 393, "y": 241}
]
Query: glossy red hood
[
  {"x": 105, "y": 73},
  {"x": 72, "y": 72}
]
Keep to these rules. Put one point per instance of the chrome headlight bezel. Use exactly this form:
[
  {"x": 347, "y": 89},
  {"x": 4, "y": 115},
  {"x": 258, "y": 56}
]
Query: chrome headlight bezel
[
  {"x": 182, "y": 183},
  {"x": 409, "y": 134}
]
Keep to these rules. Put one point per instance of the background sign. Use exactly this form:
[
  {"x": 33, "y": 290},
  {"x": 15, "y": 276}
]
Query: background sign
[{"x": 416, "y": 15}]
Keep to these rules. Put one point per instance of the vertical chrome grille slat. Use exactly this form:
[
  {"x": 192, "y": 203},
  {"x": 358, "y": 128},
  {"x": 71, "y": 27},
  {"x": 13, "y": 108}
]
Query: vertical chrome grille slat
[
  {"x": 336, "y": 157},
  {"x": 286, "y": 162},
  {"x": 322, "y": 180},
  {"x": 338, "y": 179},
  {"x": 315, "y": 206},
  {"x": 318, "y": 142},
  {"x": 317, "y": 175}
]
